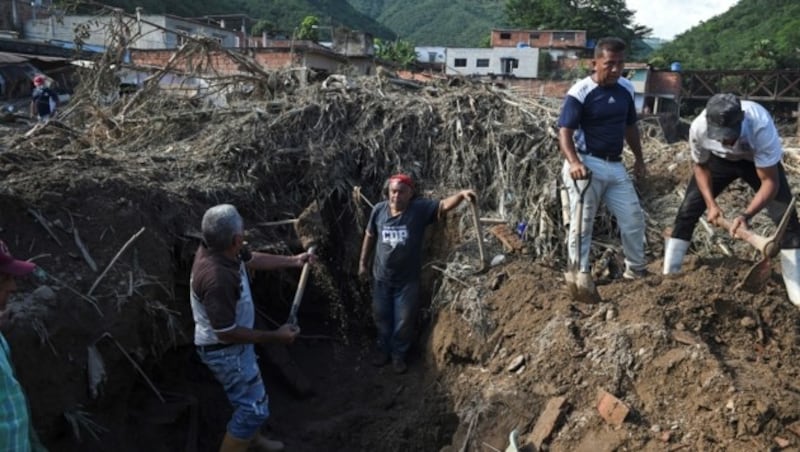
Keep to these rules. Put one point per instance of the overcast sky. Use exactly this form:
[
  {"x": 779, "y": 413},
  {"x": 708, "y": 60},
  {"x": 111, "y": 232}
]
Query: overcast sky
[{"x": 668, "y": 18}]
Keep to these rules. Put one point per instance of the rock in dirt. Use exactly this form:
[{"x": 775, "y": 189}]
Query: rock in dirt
[
  {"x": 44, "y": 293},
  {"x": 782, "y": 443},
  {"x": 748, "y": 322},
  {"x": 516, "y": 363},
  {"x": 685, "y": 337},
  {"x": 497, "y": 260},
  {"x": 795, "y": 428},
  {"x": 547, "y": 421}
]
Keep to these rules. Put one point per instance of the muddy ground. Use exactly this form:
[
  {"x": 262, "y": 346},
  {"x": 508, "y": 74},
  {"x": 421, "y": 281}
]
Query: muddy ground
[{"x": 700, "y": 365}]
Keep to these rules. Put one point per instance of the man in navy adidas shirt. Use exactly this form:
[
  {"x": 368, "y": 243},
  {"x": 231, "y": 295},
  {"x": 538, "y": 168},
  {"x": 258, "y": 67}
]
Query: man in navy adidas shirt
[{"x": 597, "y": 118}]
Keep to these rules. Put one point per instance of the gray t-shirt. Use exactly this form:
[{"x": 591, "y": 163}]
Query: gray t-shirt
[{"x": 398, "y": 249}]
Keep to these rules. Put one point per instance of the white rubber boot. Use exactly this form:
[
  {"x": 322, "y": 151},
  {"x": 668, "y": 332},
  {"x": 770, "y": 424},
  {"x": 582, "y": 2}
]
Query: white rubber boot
[
  {"x": 674, "y": 250},
  {"x": 790, "y": 269},
  {"x": 262, "y": 444}
]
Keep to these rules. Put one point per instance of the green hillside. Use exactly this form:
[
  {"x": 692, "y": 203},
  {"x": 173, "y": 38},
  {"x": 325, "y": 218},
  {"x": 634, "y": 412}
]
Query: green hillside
[
  {"x": 461, "y": 23},
  {"x": 754, "y": 34},
  {"x": 455, "y": 23},
  {"x": 284, "y": 15}
]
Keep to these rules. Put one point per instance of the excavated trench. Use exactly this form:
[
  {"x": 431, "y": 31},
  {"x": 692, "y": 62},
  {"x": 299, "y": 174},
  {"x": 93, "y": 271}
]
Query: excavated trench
[
  {"x": 324, "y": 395},
  {"x": 155, "y": 394}
]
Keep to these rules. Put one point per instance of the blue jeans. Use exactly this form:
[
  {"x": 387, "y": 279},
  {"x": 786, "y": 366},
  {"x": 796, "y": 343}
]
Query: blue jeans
[
  {"x": 394, "y": 309},
  {"x": 236, "y": 368},
  {"x": 610, "y": 184}
]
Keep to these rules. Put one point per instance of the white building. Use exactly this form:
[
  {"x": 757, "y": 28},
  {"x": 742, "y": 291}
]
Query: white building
[
  {"x": 431, "y": 54},
  {"x": 152, "y": 32},
  {"x": 501, "y": 61}
]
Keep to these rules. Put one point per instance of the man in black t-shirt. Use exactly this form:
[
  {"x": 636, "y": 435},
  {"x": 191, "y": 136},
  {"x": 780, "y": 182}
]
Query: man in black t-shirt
[{"x": 395, "y": 232}]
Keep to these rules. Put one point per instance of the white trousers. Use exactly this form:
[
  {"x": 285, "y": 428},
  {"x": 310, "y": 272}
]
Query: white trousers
[{"x": 611, "y": 184}]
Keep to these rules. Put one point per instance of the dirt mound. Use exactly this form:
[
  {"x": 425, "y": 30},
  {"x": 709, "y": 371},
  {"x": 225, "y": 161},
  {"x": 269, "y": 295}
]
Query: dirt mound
[
  {"x": 103, "y": 344},
  {"x": 698, "y": 363}
]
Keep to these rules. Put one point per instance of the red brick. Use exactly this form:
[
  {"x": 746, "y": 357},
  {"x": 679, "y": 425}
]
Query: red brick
[
  {"x": 613, "y": 410},
  {"x": 795, "y": 428},
  {"x": 510, "y": 240}
]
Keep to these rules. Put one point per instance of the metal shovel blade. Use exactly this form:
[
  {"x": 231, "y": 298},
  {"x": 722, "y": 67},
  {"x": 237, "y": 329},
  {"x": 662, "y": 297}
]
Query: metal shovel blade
[
  {"x": 581, "y": 287},
  {"x": 571, "y": 278},
  {"x": 760, "y": 272},
  {"x": 579, "y": 284},
  {"x": 757, "y": 276}
]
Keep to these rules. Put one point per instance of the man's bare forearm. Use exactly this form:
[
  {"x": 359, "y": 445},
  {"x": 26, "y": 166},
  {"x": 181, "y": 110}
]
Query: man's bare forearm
[{"x": 366, "y": 250}]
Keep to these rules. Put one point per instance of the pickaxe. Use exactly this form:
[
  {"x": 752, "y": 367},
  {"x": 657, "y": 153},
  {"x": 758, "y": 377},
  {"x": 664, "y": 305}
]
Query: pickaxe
[{"x": 769, "y": 247}]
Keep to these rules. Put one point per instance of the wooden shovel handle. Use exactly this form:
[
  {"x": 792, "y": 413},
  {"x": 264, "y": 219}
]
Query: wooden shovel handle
[
  {"x": 768, "y": 246},
  {"x": 301, "y": 287},
  {"x": 473, "y": 203},
  {"x": 757, "y": 241}
]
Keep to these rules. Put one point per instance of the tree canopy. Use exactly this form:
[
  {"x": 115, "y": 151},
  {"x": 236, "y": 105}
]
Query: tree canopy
[
  {"x": 754, "y": 34},
  {"x": 308, "y": 29},
  {"x": 598, "y": 17},
  {"x": 399, "y": 52}
]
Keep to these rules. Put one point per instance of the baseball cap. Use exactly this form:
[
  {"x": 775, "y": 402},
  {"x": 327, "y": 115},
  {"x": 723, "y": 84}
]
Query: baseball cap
[
  {"x": 724, "y": 117},
  {"x": 11, "y": 266},
  {"x": 38, "y": 80}
]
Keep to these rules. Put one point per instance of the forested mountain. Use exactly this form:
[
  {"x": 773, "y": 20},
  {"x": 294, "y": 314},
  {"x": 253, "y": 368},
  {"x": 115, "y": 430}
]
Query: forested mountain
[
  {"x": 283, "y": 15},
  {"x": 424, "y": 22},
  {"x": 753, "y": 34},
  {"x": 457, "y": 23}
]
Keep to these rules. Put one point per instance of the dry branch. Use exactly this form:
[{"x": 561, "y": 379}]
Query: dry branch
[
  {"x": 133, "y": 363},
  {"x": 114, "y": 260},
  {"x": 43, "y": 221},
  {"x": 84, "y": 251}
]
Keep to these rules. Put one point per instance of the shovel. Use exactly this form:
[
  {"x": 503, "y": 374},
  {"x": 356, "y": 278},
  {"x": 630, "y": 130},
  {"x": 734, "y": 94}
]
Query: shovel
[
  {"x": 298, "y": 295},
  {"x": 473, "y": 204},
  {"x": 580, "y": 285},
  {"x": 769, "y": 247}
]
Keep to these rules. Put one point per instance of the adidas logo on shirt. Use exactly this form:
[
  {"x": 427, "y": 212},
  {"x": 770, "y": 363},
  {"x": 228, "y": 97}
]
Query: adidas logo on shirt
[{"x": 611, "y": 100}]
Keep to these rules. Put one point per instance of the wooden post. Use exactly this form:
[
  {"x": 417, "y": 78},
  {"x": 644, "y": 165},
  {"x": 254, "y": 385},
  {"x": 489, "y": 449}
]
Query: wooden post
[{"x": 797, "y": 115}]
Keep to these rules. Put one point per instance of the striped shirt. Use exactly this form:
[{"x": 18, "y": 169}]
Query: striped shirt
[{"x": 14, "y": 418}]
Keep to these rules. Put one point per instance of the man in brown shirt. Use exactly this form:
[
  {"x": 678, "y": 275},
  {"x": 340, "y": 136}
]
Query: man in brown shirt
[{"x": 222, "y": 307}]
